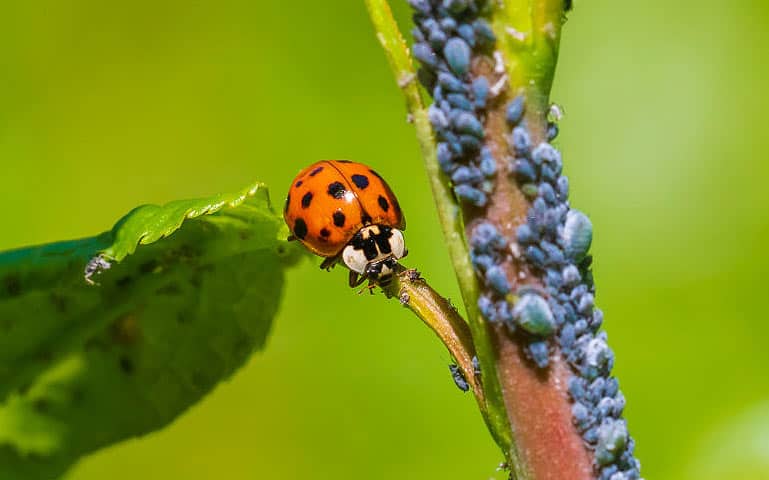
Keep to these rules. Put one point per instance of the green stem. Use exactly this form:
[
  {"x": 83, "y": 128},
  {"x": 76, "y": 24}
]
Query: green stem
[
  {"x": 442, "y": 317},
  {"x": 398, "y": 56}
]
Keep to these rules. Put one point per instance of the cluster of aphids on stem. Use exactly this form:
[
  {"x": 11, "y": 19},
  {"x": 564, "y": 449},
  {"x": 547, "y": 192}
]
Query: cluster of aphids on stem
[{"x": 554, "y": 241}]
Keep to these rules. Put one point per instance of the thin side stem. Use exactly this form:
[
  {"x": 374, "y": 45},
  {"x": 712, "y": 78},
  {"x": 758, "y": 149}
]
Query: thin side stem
[{"x": 441, "y": 317}]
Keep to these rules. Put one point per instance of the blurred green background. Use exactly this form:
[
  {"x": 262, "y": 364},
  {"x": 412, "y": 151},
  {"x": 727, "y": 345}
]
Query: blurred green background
[{"x": 106, "y": 105}]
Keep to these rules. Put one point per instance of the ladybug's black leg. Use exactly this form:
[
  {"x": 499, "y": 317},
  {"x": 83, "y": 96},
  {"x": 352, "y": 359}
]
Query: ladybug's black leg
[
  {"x": 354, "y": 280},
  {"x": 329, "y": 262}
]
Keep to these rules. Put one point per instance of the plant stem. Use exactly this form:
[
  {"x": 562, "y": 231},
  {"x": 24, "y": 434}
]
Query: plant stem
[
  {"x": 529, "y": 410},
  {"x": 451, "y": 222},
  {"x": 442, "y": 317}
]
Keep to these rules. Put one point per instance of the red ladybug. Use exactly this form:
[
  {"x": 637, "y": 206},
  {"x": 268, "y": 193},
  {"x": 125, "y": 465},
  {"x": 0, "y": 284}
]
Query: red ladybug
[{"x": 344, "y": 210}]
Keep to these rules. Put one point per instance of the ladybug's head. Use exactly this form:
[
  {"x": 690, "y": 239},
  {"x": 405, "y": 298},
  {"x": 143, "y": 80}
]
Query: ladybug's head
[{"x": 374, "y": 251}]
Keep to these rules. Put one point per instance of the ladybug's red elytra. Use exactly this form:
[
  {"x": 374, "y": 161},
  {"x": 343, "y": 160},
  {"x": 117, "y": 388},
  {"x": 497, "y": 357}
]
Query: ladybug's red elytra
[{"x": 345, "y": 211}]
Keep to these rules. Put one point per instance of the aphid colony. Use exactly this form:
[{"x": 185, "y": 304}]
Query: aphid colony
[{"x": 554, "y": 240}]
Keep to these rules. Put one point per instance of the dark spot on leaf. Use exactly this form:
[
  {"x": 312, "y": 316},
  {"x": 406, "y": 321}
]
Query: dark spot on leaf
[
  {"x": 125, "y": 330},
  {"x": 339, "y": 219},
  {"x": 170, "y": 289},
  {"x": 183, "y": 317},
  {"x": 12, "y": 285},
  {"x": 325, "y": 233},
  {"x": 360, "y": 181},
  {"x": 148, "y": 266},
  {"x": 77, "y": 395},
  {"x": 41, "y": 405},
  {"x": 126, "y": 365},
  {"x": 336, "y": 190},
  {"x": 306, "y": 199},
  {"x": 316, "y": 171},
  {"x": 59, "y": 302},
  {"x": 124, "y": 281},
  {"x": 300, "y": 229},
  {"x": 382, "y": 201}
]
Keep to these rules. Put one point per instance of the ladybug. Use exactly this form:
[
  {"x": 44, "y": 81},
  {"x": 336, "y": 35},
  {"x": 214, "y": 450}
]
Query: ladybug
[{"x": 346, "y": 212}]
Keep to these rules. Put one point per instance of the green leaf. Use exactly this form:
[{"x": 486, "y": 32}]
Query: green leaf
[{"x": 85, "y": 365}]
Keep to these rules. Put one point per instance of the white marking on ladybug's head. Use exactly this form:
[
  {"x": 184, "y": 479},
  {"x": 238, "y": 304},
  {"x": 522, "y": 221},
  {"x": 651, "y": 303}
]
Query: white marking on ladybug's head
[
  {"x": 397, "y": 244},
  {"x": 354, "y": 259},
  {"x": 354, "y": 254}
]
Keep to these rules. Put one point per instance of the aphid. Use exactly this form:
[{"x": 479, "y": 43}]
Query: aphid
[
  {"x": 577, "y": 235},
  {"x": 532, "y": 313},
  {"x": 521, "y": 140},
  {"x": 612, "y": 437},
  {"x": 344, "y": 211},
  {"x": 457, "y": 54},
  {"x": 480, "y": 88},
  {"x": 95, "y": 266},
  {"x": 467, "y": 123},
  {"x": 470, "y": 195},
  {"x": 459, "y": 378},
  {"x": 457, "y": 100},
  {"x": 483, "y": 32},
  {"x": 496, "y": 279},
  {"x": 466, "y": 31},
  {"x": 515, "y": 110},
  {"x": 539, "y": 353},
  {"x": 425, "y": 54}
]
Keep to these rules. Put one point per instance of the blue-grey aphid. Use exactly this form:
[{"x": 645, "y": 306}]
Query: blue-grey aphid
[
  {"x": 515, "y": 110},
  {"x": 470, "y": 195},
  {"x": 577, "y": 235},
  {"x": 459, "y": 378},
  {"x": 532, "y": 313}
]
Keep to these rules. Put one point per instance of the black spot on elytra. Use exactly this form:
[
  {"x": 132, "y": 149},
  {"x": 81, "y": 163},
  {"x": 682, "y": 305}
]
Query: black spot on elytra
[
  {"x": 126, "y": 365},
  {"x": 365, "y": 219},
  {"x": 299, "y": 184},
  {"x": 316, "y": 171},
  {"x": 336, "y": 190},
  {"x": 339, "y": 219},
  {"x": 360, "y": 181},
  {"x": 288, "y": 200},
  {"x": 306, "y": 199},
  {"x": 382, "y": 201},
  {"x": 325, "y": 233},
  {"x": 300, "y": 229}
]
